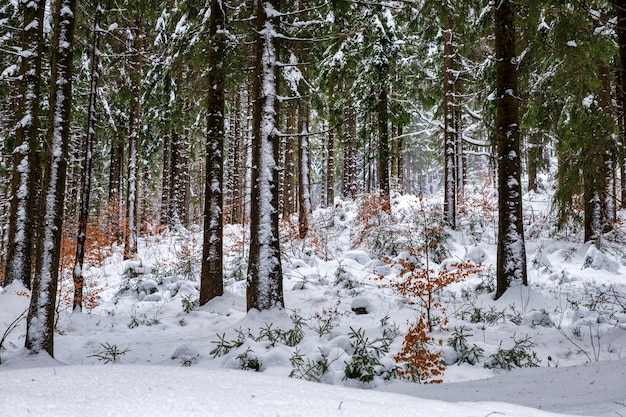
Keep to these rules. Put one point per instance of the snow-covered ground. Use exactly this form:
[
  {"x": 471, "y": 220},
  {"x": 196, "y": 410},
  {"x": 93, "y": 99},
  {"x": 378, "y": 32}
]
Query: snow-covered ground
[
  {"x": 142, "y": 390},
  {"x": 146, "y": 349}
]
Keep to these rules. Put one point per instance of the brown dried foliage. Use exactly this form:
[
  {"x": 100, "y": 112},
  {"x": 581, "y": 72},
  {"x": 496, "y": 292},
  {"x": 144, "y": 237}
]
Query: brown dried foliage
[
  {"x": 420, "y": 363},
  {"x": 419, "y": 284},
  {"x": 372, "y": 214},
  {"x": 97, "y": 248}
]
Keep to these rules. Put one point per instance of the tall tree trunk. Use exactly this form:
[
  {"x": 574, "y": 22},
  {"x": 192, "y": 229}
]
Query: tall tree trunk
[
  {"x": 304, "y": 189},
  {"x": 290, "y": 170},
  {"x": 330, "y": 162},
  {"x": 383, "y": 148},
  {"x": 166, "y": 185},
  {"x": 178, "y": 207},
  {"x": 449, "y": 134},
  {"x": 211, "y": 278},
  {"x": 460, "y": 162},
  {"x": 236, "y": 161},
  {"x": 400, "y": 157},
  {"x": 265, "y": 276},
  {"x": 116, "y": 187},
  {"x": 408, "y": 171},
  {"x": 133, "y": 137},
  {"x": 596, "y": 162},
  {"x": 40, "y": 322},
  {"x": 592, "y": 202},
  {"x": 22, "y": 214},
  {"x": 85, "y": 189},
  {"x": 609, "y": 206},
  {"x": 533, "y": 149},
  {"x": 620, "y": 11},
  {"x": 173, "y": 201},
  {"x": 349, "y": 154},
  {"x": 72, "y": 187},
  {"x": 393, "y": 157},
  {"x": 511, "y": 252}
]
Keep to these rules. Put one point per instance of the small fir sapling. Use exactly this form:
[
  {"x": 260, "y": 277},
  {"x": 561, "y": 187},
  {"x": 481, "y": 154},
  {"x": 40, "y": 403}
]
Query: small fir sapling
[
  {"x": 312, "y": 369},
  {"x": 520, "y": 355},
  {"x": 466, "y": 354},
  {"x": 364, "y": 364},
  {"x": 109, "y": 353},
  {"x": 249, "y": 361}
]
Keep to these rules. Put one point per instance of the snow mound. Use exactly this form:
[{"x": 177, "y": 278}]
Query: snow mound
[{"x": 600, "y": 261}]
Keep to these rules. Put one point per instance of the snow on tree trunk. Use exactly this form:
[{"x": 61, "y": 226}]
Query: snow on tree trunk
[
  {"x": 40, "y": 323},
  {"x": 264, "y": 277},
  {"x": 131, "y": 204},
  {"x": 166, "y": 179},
  {"x": 85, "y": 189},
  {"x": 304, "y": 191},
  {"x": 179, "y": 174},
  {"x": 609, "y": 213},
  {"x": 511, "y": 252},
  {"x": 235, "y": 188},
  {"x": 23, "y": 182},
  {"x": 620, "y": 28},
  {"x": 116, "y": 185},
  {"x": 330, "y": 164},
  {"x": 460, "y": 161},
  {"x": 383, "y": 147},
  {"x": 449, "y": 135},
  {"x": 349, "y": 157},
  {"x": 610, "y": 208},
  {"x": 133, "y": 137},
  {"x": 291, "y": 151},
  {"x": 534, "y": 150},
  {"x": 211, "y": 278},
  {"x": 399, "y": 156}
]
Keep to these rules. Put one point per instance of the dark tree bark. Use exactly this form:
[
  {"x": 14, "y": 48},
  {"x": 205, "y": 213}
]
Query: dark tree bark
[
  {"x": 370, "y": 158},
  {"x": 304, "y": 189},
  {"x": 460, "y": 162},
  {"x": 330, "y": 161},
  {"x": 597, "y": 165},
  {"x": 136, "y": 63},
  {"x": 265, "y": 276},
  {"x": 399, "y": 156},
  {"x": 40, "y": 322},
  {"x": 290, "y": 171},
  {"x": 609, "y": 204},
  {"x": 179, "y": 175},
  {"x": 511, "y": 252},
  {"x": 349, "y": 154},
  {"x": 167, "y": 175},
  {"x": 116, "y": 192},
  {"x": 383, "y": 148},
  {"x": 211, "y": 278},
  {"x": 24, "y": 179},
  {"x": 534, "y": 154},
  {"x": 236, "y": 162},
  {"x": 85, "y": 189},
  {"x": 449, "y": 134},
  {"x": 592, "y": 188},
  {"x": 620, "y": 11}
]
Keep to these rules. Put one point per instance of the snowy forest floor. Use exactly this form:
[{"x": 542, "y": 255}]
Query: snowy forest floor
[{"x": 345, "y": 321}]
